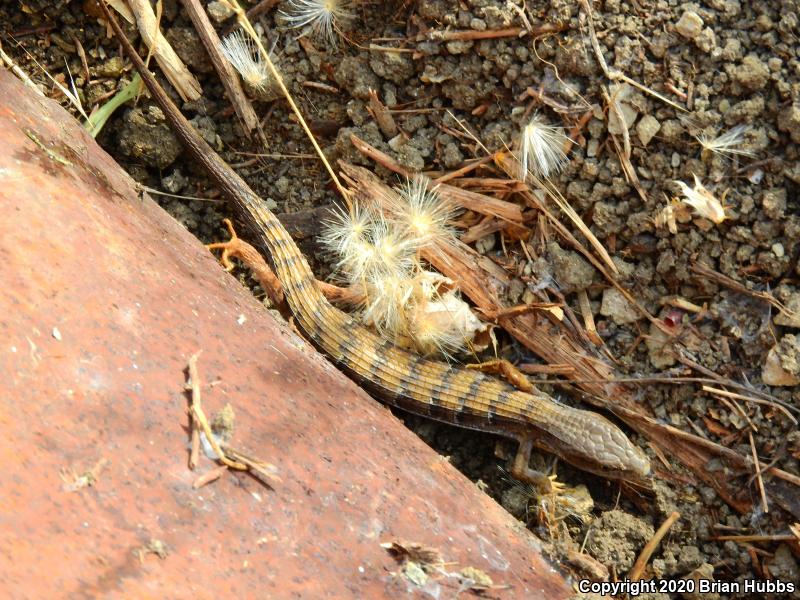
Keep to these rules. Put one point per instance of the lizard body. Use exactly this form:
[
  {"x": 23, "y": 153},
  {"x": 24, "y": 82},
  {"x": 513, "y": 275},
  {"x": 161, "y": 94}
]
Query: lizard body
[{"x": 416, "y": 384}]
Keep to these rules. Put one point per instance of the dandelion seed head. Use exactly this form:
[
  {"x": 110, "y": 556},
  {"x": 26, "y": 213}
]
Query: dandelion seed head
[
  {"x": 402, "y": 300},
  {"x": 433, "y": 335},
  {"x": 702, "y": 201},
  {"x": 348, "y": 236},
  {"x": 422, "y": 211},
  {"x": 385, "y": 303},
  {"x": 542, "y": 149},
  {"x": 346, "y": 228},
  {"x": 368, "y": 246},
  {"x": 244, "y": 55},
  {"x": 395, "y": 249},
  {"x": 320, "y": 18}
]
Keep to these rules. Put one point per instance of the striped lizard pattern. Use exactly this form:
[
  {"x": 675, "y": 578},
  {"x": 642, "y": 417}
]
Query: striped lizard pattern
[{"x": 430, "y": 388}]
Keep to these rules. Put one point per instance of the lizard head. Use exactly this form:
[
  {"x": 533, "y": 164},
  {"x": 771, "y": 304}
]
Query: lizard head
[{"x": 596, "y": 445}]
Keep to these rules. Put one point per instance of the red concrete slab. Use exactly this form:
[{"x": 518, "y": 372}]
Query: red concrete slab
[{"x": 103, "y": 300}]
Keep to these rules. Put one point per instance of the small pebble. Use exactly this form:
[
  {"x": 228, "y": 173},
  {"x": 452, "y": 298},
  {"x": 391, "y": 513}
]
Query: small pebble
[
  {"x": 690, "y": 25},
  {"x": 647, "y": 127},
  {"x": 616, "y": 306},
  {"x": 219, "y": 11}
]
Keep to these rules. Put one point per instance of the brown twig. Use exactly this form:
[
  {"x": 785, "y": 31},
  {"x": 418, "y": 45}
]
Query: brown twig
[
  {"x": 210, "y": 476},
  {"x": 228, "y": 76},
  {"x": 382, "y": 116},
  {"x": 260, "y": 8},
  {"x": 468, "y": 168},
  {"x": 230, "y": 457},
  {"x": 588, "y": 318},
  {"x": 82, "y": 55},
  {"x": 480, "y": 203},
  {"x": 641, "y": 562},
  {"x": 510, "y": 165},
  {"x": 194, "y": 388},
  {"x": 322, "y": 87},
  {"x": 199, "y": 420},
  {"x": 682, "y": 356},
  {"x": 485, "y": 227},
  {"x": 472, "y": 34},
  {"x": 743, "y": 539},
  {"x": 534, "y": 369},
  {"x": 728, "y": 394},
  {"x": 173, "y": 68},
  {"x": 438, "y": 35},
  {"x": 577, "y": 128},
  {"x": 706, "y": 272},
  {"x": 379, "y": 157},
  {"x": 558, "y": 107},
  {"x": 757, "y": 468}
]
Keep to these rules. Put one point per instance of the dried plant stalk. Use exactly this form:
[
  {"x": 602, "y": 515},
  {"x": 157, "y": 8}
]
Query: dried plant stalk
[{"x": 174, "y": 70}]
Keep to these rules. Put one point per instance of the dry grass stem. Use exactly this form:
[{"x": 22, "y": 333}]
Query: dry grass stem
[
  {"x": 703, "y": 270},
  {"x": 759, "y": 479},
  {"x": 241, "y": 17},
  {"x": 211, "y": 42},
  {"x": 588, "y": 318},
  {"x": 199, "y": 420},
  {"x": 209, "y": 477},
  {"x": 511, "y": 167},
  {"x": 172, "y": 66},
  {"x": 615, "y": 74},
  {"x": 727, "y": 394},
  {"x": 468, "y": 168}
]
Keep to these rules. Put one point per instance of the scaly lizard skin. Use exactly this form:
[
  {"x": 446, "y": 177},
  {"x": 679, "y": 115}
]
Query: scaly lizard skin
[{"x": 426, "y": 387}]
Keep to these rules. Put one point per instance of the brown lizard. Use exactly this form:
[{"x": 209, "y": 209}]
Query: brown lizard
[{"x": 448, "y": 393}]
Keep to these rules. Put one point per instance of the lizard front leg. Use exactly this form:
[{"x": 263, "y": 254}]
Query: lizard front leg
[
  {"x": 236, "y": 247},
  {"x": 502, "y": 367}
]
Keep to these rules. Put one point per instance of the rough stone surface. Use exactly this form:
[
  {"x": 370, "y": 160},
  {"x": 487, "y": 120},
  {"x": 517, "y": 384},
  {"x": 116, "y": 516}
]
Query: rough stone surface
[
  {"x": 146, "y": 137},
  {"x": 789, "y": 121},
  {"x": 571, "y": 271}
]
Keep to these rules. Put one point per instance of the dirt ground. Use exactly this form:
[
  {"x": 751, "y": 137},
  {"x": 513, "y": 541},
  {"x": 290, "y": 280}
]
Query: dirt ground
[{"x": 725, "y": 62}]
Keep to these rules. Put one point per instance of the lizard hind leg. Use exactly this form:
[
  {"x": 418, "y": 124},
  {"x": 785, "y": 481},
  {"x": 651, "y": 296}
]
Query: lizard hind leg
[
  {"x": 521, "y": 470},
  {"x": 554, "y": 500}
]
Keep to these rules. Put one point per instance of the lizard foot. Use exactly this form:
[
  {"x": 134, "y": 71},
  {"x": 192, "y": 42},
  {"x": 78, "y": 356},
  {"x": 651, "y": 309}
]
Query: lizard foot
[{"x": 231, "y": 248}]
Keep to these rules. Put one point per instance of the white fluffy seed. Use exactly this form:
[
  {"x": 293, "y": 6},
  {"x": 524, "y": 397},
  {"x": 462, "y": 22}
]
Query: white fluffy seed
[{"x": 542, "y": 149}]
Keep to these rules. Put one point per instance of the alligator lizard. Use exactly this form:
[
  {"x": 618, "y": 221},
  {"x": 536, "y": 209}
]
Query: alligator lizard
[{"x": 464, "y": 397}]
